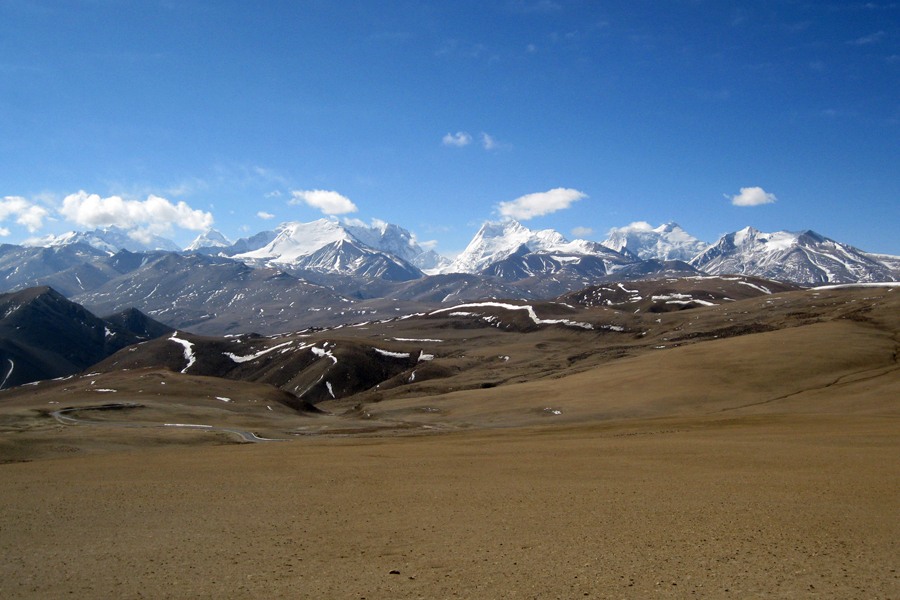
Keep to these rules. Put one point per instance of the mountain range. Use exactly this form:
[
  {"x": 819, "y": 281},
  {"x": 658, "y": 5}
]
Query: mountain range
[{"x": 327, "y": 272}]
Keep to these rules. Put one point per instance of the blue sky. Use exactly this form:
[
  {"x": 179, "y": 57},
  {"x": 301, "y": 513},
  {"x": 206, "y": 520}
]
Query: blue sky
[{"x": 173, "y": 114}]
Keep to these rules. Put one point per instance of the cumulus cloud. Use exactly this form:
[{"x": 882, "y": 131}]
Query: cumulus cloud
[
  {"x": 264, "y": 215},
  {"x": 154, "y": 214},
  {"x": 542, "y": 203},
  {"x": 752, "y": 196},
  {"x": 459, "y": 140},
  {"x": 330, "y": 203},
  {"x": 26, "y": 213},
  {"x": 636, "y": 226},
  {"x": 581, "y": 232}
]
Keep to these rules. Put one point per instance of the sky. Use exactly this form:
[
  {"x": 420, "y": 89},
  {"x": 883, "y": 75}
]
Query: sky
[{"x": 171, "y": 116}]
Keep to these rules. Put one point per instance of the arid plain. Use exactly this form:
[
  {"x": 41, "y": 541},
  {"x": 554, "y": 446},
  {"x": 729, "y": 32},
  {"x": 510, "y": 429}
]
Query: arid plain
[{"x": 745, "y": 450}]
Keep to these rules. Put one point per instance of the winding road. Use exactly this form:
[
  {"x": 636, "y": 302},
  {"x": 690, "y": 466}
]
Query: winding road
[{"x": 59, "y": 415}]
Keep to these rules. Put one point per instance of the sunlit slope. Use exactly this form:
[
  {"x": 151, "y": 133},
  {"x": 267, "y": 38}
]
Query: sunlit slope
[{"x": 836, "y": 366}]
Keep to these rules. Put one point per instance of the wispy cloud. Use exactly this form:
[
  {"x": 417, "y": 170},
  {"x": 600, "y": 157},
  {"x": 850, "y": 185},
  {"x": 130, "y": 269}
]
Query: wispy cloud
[
  {"x": 581, "y": 232},
  {"x": 330, "y": 203},
  {"x": 264, "y": 215},
  {"x": 752, "y": 196},
  {"x": 868, "y": 39},
  {"x": 488, "y": 142},
  {"x": 542, "y": 203},
  {"x": 459, "y": 140}
]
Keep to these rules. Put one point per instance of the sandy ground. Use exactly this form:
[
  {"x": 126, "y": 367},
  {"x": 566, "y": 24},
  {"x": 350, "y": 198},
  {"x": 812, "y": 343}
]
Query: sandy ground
[{"x": 749, "y": 507}]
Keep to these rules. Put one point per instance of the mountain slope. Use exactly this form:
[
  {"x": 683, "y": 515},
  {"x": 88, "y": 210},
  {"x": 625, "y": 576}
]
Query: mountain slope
[
  {"x": 22, "y": 266},
  {"x": 348, "y": 257},
  {"x": 214, "y": 295},
  {"x": 43, "y": 335}
]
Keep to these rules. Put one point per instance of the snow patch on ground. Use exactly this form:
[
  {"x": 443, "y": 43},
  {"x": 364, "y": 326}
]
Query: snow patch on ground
[
  {"x": 12, "y": 366},
  {"x": 322, "y": 353},
  {"x": 527, "y": 307},
  {"x": 880, "y": 284},
  {"x": 188, "y": 351},
  {"x": 761, "y": 288},
  {"x": 243, "y": 359},
  {"x": 392, "y": 354}
]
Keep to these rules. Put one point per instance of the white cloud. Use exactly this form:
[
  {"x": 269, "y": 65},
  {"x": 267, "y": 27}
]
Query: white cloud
[
  {"x": 488, "y": 142},
  {"x": 459, "y": 140},
  {"x": 636, "y": 226},
  {"x": 157, "y": 214},
  {"x": 144, "y": 236},
  {"x": 752, "y": 196},
  {"x": 581, "y": 232},
  {"x": 264, "y": 215},
  {"x": 330, "y": 203},
  {"x": 535, "y": 205},
  {"x": 26, "y": 213},
  {"x": 273, "y": 194},
  {"x": 429, "y": 245}
]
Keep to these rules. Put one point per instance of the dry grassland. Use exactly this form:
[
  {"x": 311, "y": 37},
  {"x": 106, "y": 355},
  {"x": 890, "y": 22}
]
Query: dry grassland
[{"x": 758, "y": 466}]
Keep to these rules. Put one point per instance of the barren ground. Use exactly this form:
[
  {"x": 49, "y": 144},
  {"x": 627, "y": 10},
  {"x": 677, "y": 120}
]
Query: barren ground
[{"x": 757, "y": 466}]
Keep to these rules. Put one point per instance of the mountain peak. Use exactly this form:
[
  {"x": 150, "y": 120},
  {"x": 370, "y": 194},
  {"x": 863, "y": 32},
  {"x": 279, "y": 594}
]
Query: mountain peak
[
  {"x": 109, "y": 239},
  {"x": 666, "y": 242},
  {"x": 211, "y": 238},
  {"x": 497, "y": 241}
]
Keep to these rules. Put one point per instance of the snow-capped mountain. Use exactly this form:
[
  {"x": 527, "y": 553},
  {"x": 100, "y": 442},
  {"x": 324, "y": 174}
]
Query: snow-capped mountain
[
  {"x": 430, "y": 262},
  {"x": 209, "y": 241},
  {"x": 345, "y": 249},
  {"x": 108, "y": 239},
  {"x": 249, "y": 244},
  {"x": 349, "y": 257},
  {"x": 495, "y": 242},
  {"x": 296, "y": 240},
  {"x": 666, "y": 242},
  {"x": 386, "y": 237},
  {"x": 803, "y": 257}
]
